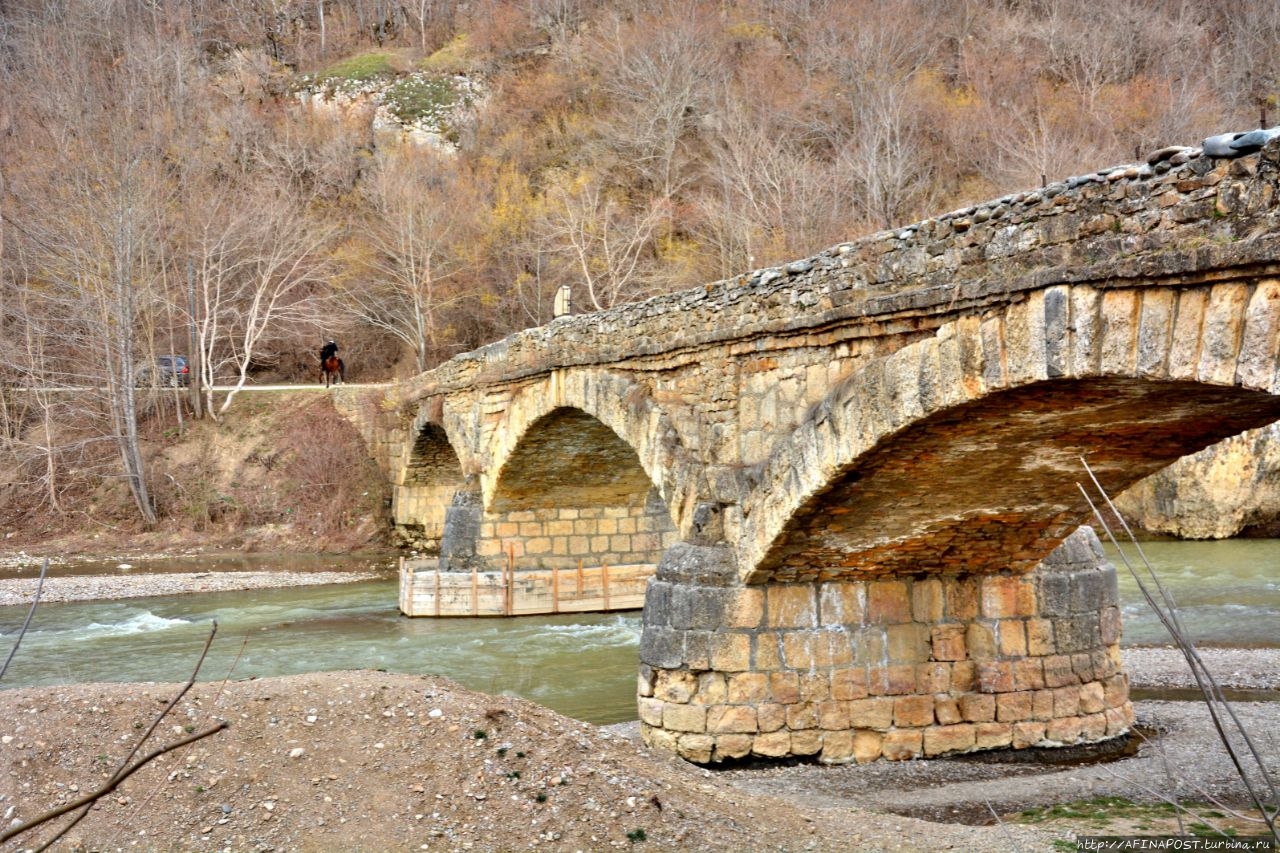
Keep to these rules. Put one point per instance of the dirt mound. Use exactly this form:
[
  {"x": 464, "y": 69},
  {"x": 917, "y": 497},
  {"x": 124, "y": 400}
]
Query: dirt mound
[{"x": 376, "y": 762}]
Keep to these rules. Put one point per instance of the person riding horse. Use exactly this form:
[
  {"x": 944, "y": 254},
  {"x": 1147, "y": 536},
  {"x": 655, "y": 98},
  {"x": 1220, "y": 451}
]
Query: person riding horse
[{"x": 327, "y": 352}]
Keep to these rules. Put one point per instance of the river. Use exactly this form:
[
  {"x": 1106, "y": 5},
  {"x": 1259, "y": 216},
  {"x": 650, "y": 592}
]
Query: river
[{"x": 580, "y": 665}]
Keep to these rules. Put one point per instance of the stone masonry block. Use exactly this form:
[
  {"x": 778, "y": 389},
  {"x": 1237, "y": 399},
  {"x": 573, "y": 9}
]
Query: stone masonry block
[
  {"x": 1024, "y": 333},
  {"x": 1027, "y": 734},
  {"x": 806, "y": 742},
  {"x": 902, "y": 744},
  {"x": 1155, "y": 323},
  {"x": 1057, "y": 318},
  {"x": 1092, "y": 700},
  {"x": 748, "y": 688},
  {"x": 1028, "y": 674},
  {"x": 1013, "y": 637},
  {"x": 962, "y": 598},
  {"x": 728, "y": 747},
  {"x": 695, "y": 747},
  {"x": 661, "y": 648},
  {"x": 1008, "y": 596},
  {"x": 939, "y": 740},
  {"x": 684, "y": 718},
  {"x": 1115, "y": 690},
  {"x": 792, "y": 606},
  {"x": 814, "y": 686},
  {"x": 888, "y": 602},
  {"x": 1058, "y": 671},
  {"x": 866, "y": 745},
  {"x": 771, "y": 745},
  {"x": 837, "y": 747},
  {"x": 798, "y": 650},
  {"x": 913, "y": 711},
  {"x": 873, "y": 713},
  {"x": 977, "y": 707},
  {"x": 1013, "y": 707},
  {"x": 1093, "y": 727},
  {"x": 833, "y": 715},
  {"x": 946, "y": 710},
  {"x": 1110, "y": 627},
  {"x": 948, "y": 641},
  {"x": 964, "y": 676},
  {"x": 841, "y": 604},
  {"x": 849, "y": 683},
  {"x": 730, "y": 652},
  {"x": 731, "y": 718},
  {"x": 770, "y": 716},
  {"x": 1066, "y": 701},
  {"x": 697, "y": 649},
  {"x": 1040, "y": 637},
  {"x": 1089, "y": 591},
  {"x": 928, "y": 604},
  {"x": 651, "y": 710},
  {"x": 744, "y": 608},
  {"x": 802, "y": 715},
  {"x": 1257, "y": 362},
  {"x": 980, "y": 639},
  {"x": 933, "y": 677},
  {"x": 784, "y": 687},
  {"x": 1222, "y": 332},
  {"x": 1065, "y": 730},
  {"x": 1185, "y": 342},
  {"x": 712, "y": 689},
  {"x": 1042, "y": 704},
  {"x": 908, "y": 643},
  {"x": 1082, "y": 666},
  {"x": 1119, "y": 331},
  {"x": 767, "y": 652},
  {"x": 676, "y": 686},
  {"x": 995, "y": 676},
  {"x": 993, "y": 735},
  {"x": 894, "y": 680}
]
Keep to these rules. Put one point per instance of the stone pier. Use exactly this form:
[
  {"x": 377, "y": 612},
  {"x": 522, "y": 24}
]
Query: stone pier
[{"x": 893, "y": 667}]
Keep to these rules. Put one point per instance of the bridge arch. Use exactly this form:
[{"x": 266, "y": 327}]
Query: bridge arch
[
  {"x": 432, "y": 472},
  {"x": 1000, "y": 409},
  {"x": 620, "y": 406}
]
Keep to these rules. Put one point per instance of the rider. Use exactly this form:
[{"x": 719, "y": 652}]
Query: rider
[{"x": 327, "y": 351}]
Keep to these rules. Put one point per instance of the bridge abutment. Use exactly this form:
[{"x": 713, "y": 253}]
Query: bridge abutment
[{"x": 890, "y": 667}]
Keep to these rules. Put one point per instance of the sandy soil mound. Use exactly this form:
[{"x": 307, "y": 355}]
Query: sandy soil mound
[{"x": 376, "y": 762}]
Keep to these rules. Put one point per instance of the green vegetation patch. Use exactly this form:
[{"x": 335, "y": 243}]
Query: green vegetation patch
[
  {"x": 422, "y": 97},
  {"x": 353, "y": 71},
  {"x": 1098, "y": 808}
]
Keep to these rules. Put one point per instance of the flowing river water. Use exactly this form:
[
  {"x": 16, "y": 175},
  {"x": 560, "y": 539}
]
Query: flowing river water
[{"x": 582, "y": 665}]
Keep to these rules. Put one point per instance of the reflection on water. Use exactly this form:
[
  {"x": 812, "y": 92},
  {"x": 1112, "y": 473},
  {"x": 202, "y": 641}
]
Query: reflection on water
[
  {"x": 1227, "y": 592},
  {"x": 583, "y": 665}
]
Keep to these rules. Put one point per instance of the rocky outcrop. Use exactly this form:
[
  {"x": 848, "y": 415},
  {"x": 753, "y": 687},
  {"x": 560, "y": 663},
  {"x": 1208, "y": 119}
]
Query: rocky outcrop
[{"x": 1229, "y": 489}]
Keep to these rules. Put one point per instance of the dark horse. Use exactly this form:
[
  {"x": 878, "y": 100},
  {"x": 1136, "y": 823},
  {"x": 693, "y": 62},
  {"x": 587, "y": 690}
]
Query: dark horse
[{"x": 333, "y": 371}]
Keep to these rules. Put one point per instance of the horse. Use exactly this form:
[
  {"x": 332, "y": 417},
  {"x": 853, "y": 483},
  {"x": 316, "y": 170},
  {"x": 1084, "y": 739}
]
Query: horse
[{"x": 333, "y": 371}]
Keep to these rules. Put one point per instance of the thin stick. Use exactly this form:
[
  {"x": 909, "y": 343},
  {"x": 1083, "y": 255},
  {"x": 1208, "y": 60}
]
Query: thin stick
[
  {"x": 1207, "y": 684},
  {"x": 124, "y": 767},
  {"x": 111, "y": 785},
  {"x": 44, "y": 570}
]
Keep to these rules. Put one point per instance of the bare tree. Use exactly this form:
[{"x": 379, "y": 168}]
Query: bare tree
[{"x": 420, "y": 245}]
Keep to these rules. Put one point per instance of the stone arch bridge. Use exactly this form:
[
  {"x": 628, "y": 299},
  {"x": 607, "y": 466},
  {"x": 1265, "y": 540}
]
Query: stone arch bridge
[{"x": 858, "y": 472}]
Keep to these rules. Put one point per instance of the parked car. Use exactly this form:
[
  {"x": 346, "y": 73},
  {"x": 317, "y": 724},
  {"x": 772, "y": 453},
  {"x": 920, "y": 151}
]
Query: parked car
[{"x": 170, "y": 371}]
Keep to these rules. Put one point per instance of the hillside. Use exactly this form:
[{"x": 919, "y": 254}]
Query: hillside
[
  {"x": 240, "y": 182},
  {"x": 281, "y": 471}
]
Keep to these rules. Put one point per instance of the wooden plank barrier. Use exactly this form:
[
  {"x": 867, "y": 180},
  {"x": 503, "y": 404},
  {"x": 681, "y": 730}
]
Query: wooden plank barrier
[{"x": 427, "y": 591}]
